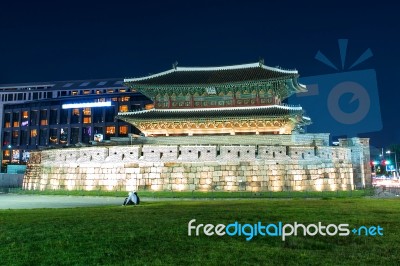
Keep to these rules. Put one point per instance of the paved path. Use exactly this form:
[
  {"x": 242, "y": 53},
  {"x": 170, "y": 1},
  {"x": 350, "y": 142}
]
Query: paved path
[
  {"x": 18, "y": 201},
  {"x": 15, "y": 201}
]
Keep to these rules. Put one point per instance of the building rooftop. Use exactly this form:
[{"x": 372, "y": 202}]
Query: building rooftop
[
  {"x": 65, "y": 85},
  {"x": 214, "y": 75}
]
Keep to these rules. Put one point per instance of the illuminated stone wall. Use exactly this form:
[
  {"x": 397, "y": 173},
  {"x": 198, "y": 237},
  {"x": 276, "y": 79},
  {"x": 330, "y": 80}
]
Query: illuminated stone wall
[{"x": 201, "y": 167}]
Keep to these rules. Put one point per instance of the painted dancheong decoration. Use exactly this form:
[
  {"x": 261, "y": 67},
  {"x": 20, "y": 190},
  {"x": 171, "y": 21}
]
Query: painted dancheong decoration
[{"x": 239, "y": 99}]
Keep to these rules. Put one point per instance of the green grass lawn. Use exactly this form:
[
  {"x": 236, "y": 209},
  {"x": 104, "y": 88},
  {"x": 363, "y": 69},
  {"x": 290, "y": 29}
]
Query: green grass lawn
[
  {"x": 155, "y": 233},
  {"x": 203, "y": 195}
]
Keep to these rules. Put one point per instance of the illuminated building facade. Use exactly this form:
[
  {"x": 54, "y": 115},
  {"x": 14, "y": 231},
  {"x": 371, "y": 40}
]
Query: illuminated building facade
[{"x": 60, "y": 114}]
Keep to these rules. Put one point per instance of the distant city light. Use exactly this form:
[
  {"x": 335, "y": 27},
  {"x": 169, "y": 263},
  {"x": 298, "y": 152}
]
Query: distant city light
[{"x": 83, "y": 105}]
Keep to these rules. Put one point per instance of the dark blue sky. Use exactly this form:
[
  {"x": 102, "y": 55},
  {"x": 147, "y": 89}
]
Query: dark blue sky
[{"x": 45, "y": 41}]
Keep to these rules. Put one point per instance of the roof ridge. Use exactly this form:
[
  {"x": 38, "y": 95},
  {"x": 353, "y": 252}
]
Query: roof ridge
[
  {"x": 250, "y": 65},
  {"x": 230, "y": 67}
]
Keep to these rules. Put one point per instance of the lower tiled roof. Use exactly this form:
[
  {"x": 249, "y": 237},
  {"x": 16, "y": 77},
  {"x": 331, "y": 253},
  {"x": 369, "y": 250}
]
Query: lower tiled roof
[{"x": 272, "y": 110}]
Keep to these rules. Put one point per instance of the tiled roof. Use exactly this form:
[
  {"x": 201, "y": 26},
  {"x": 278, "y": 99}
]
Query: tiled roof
[
  {"x": 272, "y": 110},
  {"x": 214, "y": 75}
]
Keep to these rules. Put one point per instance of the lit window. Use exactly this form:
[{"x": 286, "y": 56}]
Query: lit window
[
  {"x": 98, "y": 92},
  {"x": 86, "y": 92},
  {"x": 110, "y": 91},
  {"x": 7, "y": 153},
  {"x": 33, "y": 133},
  {"x": 7, "y": 124},
  {"x": 110, "y": 130},
  {"x": 123, "y": 108},
  {"x": 16, "y": 124},
  {"x": 123, "y": 130},
  {"x": 124, "y": 99},
  {"x": 122, "y": 90},
  {"x": 15, "y": 134},
  {"x": 87, "y": 120},
  {"x": 74, "y": 92},
  {"x": 75, "y": 112},
  {"x": 114, "y": 99},
  {"x": 43, "y": 122},
  {"x": 25, "y": 114},
  {"x": 87, "y": 111}
]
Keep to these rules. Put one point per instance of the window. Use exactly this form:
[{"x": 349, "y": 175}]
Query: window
[
  {"x": 64, "y": 116},
  {"x": 110, "y": 130},
  {"x": 25, "y": 114},
  {"x": 43, "y": 122},
  {"x": 53, "y": 116},
  {"x": 16, "y": 119},
  {"x": 124, "y": 99},
  {"x": 6, "y": 137},
  {"x": 34, "y": 117},
  {"x": 122, "y": 90},
  {"x": 98, "y": 92},
  {"x": 64, "y": 135},
  {"x": 86, "y": 92},
  {"x": 43, "y": 137},
  {"x": 74, "y": 92},
  {"x": 110, "y": 114},
  {"x": 87, "y": 120},
  {"x": 114, "y": 99},
  {"x": 123, "y": 130},
  {"x": 110, "y": 91},
  {"x": 24, "y": 137},
  {"x": 87, "y": 115},
  {"x": 6, "y": 154},
  {"x": 98, "y": 130},
  {"x": 53, "y": 136},
  {"x": 7, "y": 120},
  {"x": 74, "y": 138},
  {"x": 84, "y": 84},
  {"x": 75, "y": 116},
  {"x": 87, "y": 111},
  {"x": 43, "y": 114},
  {"x": 98, "y": 115},
  {"x": 123, "y": 108},
  {"x": 33, "y": 133}
]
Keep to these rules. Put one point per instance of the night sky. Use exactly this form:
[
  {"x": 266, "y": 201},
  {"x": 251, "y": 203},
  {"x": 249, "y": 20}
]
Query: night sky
[{"x": 48, "y": 41}]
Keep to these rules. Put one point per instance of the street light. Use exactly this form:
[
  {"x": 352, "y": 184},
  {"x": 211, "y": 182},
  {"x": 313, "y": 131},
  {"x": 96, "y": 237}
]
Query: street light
[{"x": 395, "y": 161}]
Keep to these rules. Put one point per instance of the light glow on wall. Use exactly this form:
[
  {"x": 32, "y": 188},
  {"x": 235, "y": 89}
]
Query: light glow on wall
[{"x": 83, "y": 105}]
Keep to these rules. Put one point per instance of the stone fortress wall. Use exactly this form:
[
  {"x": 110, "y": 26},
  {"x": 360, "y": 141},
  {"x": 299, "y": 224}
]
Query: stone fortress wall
[{"x": 293, "y": 163}]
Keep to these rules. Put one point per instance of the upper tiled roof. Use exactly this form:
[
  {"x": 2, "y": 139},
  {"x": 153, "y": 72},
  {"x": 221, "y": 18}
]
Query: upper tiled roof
[{"x": 214, "y": 75}]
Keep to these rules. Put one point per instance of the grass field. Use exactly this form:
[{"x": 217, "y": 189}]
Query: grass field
[
  {"x": 155, "y": 233},
  {"x": 208, "y": 195}
]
